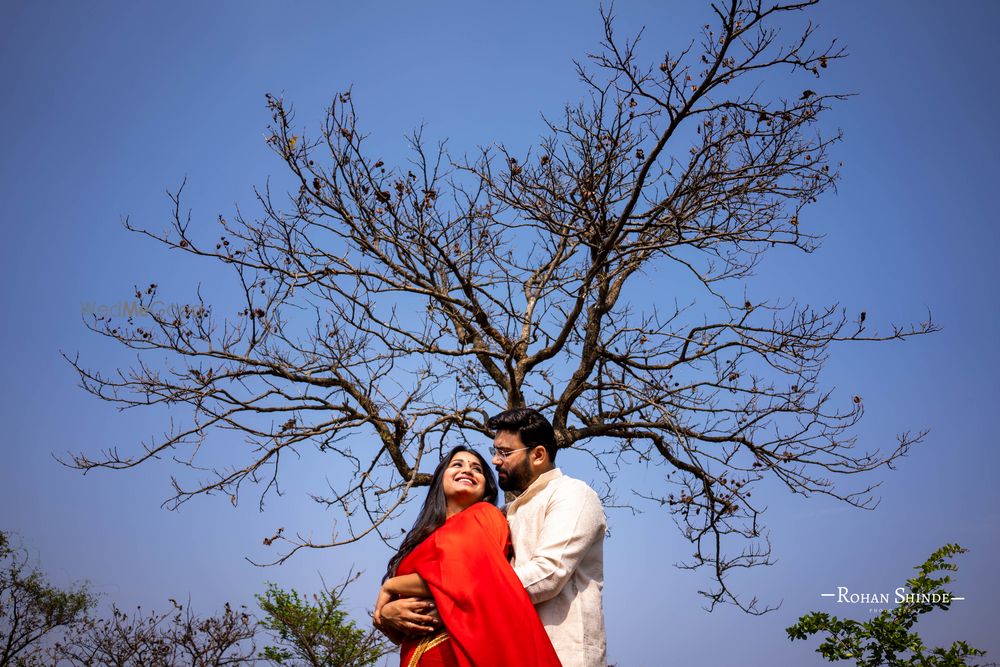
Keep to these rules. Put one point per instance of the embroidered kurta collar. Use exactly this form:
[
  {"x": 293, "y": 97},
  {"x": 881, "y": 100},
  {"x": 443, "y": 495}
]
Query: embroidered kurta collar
[{"x": 535, "y": 487}]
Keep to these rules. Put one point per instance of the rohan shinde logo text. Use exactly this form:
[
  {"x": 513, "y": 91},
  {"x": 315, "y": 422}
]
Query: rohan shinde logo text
[{"x": 898, "y": 596}]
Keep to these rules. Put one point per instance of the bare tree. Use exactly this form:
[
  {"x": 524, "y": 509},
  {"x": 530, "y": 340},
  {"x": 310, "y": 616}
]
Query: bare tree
[
  {"x": 389, "y": 310},
  {"x": 224, "y": 639},
  {"x": 120, "y": 640},
  {"x": 158, "y": 639}
]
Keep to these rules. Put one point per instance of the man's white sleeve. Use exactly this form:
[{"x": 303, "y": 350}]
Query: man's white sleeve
[{"x": 574, "y": 522}]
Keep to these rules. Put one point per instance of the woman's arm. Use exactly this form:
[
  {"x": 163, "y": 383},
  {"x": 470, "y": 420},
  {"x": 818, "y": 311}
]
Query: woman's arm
[{"x": 407, "y": 586}]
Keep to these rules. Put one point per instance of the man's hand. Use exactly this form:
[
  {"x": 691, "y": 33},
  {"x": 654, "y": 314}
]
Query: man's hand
[{"x": 409, "y": 616}]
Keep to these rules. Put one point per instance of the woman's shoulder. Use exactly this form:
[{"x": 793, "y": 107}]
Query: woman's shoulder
[
  {"x": 485, "y": 506},
  {"x": 485, "y": 520},
  {"x": 483, "y": 511}
]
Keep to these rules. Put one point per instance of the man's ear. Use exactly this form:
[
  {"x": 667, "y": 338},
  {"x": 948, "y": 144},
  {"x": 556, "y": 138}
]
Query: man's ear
[{"x": 539, "y": 456}]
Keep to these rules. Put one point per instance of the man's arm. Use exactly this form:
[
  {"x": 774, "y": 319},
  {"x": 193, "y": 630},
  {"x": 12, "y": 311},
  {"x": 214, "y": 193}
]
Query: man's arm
[{"x": 574, "y": 522}]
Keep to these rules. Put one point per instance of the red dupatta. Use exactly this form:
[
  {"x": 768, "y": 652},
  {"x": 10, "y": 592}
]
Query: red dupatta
[{"x": 482, "y": 603}]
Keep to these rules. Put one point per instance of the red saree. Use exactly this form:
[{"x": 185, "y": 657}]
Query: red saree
[{"x": 489, "y": 619}]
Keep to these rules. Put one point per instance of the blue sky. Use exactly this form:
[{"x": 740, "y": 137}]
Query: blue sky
[{"x": 106, "y": 105}]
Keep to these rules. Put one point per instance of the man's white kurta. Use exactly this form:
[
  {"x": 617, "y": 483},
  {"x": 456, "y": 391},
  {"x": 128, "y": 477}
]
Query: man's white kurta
[{"x": 557, "y": 526}]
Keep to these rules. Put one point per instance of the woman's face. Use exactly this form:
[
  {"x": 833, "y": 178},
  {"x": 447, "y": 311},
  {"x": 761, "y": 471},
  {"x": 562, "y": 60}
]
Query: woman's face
[{"x": 464, "y": 480}]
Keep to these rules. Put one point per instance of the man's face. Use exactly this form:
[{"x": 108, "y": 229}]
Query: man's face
[{"x": 511, "y": 461}]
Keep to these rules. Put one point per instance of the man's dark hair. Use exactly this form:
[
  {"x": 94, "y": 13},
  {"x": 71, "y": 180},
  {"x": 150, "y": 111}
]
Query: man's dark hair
[{"x": 533, "y": 428}]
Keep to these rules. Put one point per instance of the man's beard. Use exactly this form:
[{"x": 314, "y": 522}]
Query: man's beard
[{"x": 517, "y": 478}]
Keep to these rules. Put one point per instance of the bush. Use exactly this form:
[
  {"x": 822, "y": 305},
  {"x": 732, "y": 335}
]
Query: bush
[{"x": 316, "y": 633}]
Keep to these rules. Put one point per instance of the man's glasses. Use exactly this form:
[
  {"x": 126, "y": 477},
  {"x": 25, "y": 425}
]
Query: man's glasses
[{"x": 504, "y": 453}]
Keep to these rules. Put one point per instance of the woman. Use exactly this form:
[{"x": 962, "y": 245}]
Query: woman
[{"x": 458, "y": 553}]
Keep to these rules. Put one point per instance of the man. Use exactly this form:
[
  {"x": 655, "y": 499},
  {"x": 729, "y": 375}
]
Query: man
[{"x": 557, "y": 527}]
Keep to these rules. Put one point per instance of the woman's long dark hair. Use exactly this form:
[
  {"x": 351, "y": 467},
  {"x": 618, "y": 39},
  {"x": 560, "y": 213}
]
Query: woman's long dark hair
[{"x": 435, "y": 510}]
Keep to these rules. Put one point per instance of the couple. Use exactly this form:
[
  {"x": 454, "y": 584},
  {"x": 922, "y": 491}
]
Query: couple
[{"x": 460, "y": 591}]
